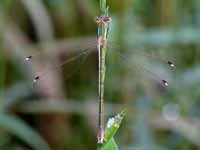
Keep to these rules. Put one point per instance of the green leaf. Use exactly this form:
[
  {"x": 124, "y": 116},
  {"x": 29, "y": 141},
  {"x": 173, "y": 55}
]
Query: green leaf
[
  {"x": 111, "y": 145},
  {"x": 24, "y": 132},
  {"x": 113, "y": 125}
]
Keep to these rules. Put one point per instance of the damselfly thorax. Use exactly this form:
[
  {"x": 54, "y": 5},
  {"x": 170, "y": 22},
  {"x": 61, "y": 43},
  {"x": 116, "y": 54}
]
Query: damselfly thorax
[{"x": 133, "y": 59}]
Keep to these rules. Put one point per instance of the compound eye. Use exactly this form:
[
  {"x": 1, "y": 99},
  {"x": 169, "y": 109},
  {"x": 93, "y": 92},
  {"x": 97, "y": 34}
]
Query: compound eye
[
  {"x": 107, "y": 19},
  {"x": 97, "y": 20}
]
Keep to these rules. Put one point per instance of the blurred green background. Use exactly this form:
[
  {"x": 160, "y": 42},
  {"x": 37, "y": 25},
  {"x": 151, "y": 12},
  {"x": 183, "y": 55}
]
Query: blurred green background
[{"x": 60, "y": 111}]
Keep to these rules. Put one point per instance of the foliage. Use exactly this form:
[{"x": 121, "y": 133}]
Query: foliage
[
  {"x": 23, "y": 131},
  {"x": 113, "y": 125}
]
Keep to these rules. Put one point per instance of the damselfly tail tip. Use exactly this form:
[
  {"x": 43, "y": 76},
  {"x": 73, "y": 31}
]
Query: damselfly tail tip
[
  {"x": 171, "y": 64},
  {"x": 164, "y": 82},
  {"x": 100, "y": 135},
  {"x": 36, "y": 79}
]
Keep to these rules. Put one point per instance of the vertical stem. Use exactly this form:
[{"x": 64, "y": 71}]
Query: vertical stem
[{"x": 102, "y": 40}]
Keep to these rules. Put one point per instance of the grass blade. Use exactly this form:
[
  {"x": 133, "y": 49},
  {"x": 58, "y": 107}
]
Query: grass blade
[
  {"x": 111, "y": 145},
  {"x": 113, "y": 125},
  {"x": 22, "y": 131}
]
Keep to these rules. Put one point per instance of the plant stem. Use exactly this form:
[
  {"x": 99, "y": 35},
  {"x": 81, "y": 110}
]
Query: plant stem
[{"x": 102, "y": 48}]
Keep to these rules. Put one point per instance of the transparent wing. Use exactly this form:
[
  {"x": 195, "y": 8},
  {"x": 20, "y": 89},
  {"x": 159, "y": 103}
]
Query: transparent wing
[
  {"x": 140, "y": 64},
  {"x": 150, "y": 55},
  {"x": 75, "y": 60},
  {"x": 114, "y": 45},
  {"x": 137, "y": 58}
]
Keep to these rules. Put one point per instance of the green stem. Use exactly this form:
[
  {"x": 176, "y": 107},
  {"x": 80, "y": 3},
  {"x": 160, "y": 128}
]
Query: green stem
[{"x": 102, "y": 6}]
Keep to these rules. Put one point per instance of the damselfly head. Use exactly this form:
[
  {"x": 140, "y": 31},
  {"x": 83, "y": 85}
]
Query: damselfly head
[
  {"x": 103, "y": 20},
  {"x": 36, "y": 79},
  {"x": 171, "y": 64},
  {"x": 165, "y": 82}
]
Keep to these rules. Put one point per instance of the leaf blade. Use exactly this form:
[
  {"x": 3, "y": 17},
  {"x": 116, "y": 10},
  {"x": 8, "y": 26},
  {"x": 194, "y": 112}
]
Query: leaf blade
[
  {"x": 112, "y": 127},
  {"x": 111, "y": 145},
  {"x": 24, "y": 132}
]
